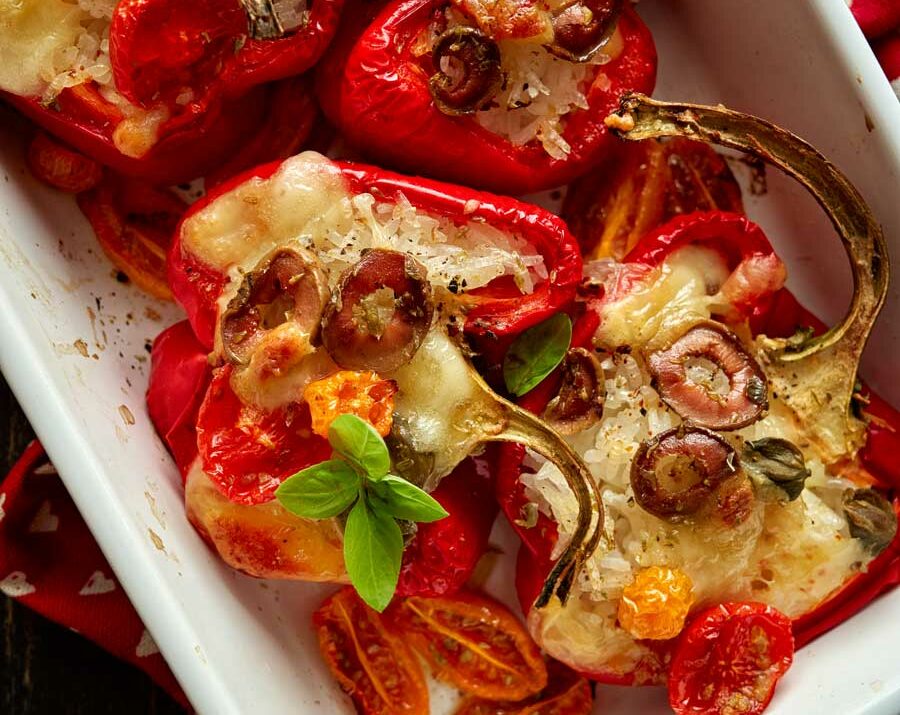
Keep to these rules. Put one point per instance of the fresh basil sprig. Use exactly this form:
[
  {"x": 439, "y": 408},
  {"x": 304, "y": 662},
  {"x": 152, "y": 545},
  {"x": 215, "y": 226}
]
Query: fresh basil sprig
[
  {"x": 536, "y": 353},
  {"x": 360, "y": 478}
]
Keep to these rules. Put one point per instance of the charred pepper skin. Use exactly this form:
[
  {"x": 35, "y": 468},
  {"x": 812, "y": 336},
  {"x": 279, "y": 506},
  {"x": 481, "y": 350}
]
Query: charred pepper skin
[{"x": 370, "y": 72}]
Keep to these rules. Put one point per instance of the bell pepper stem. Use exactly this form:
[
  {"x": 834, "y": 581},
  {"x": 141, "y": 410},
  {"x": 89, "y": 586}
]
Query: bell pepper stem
[
  {"x": 518, "y": 425},
  {"x": 529, "y": 430},
  {"x": 262, "y": 19},
  {"x": 818, "y": 373}
]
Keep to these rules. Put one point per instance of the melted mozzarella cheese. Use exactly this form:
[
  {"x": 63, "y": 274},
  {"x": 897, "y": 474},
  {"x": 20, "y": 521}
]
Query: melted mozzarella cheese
[
  {"x": 33, "y": 36},
  {"x": 306, "y": 204},
  {"x": 439, "y": 410},
  {"x": 682, "y": 292}
]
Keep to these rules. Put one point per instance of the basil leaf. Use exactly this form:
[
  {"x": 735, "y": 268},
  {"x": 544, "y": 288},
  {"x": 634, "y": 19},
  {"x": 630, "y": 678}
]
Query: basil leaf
[
  {"x": 536, "y": 353},
  {"x": 360, "y": 444},
  {"x": 373, "y": 550},
  {"x": 321, "y": 491},
  {"x": 404, "y": 500}
]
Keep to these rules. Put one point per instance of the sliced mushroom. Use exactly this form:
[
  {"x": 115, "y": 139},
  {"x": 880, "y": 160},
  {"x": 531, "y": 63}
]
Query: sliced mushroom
[
  {"x": 582, "y": 27},
  {"x": 380, "y": 312},
  {"x": 776, "y": 466},
  {"x": 674, "y": 473},
  {"x": 871, "y": 519},
  {"x": 579, "y": 402},
  {"x": 468, "y": 74},
  {"x": 286, "y": 285},
  {"x": 708, "y": 378}
]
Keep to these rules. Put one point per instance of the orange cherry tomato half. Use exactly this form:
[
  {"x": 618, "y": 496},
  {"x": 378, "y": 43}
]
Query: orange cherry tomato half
[
  {"x": 729, "y": 660},
  {"x": 567, "y": 693},
  {"x": 372, "y": 665},
  {"x": 60, "y": 167},
  {"x": 134, "y": 223},
  {"x": 474, "y": 643}
]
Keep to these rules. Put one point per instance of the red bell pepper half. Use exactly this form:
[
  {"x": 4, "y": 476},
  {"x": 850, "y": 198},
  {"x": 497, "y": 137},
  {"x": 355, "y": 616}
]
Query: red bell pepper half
[
  {"x": 375, "y": 88},
  {"x": 198, "y": 413},
  {"x": 187, "y": 146},
  {"x": 161, "y": 48},
  {"x": 772, "y": 311},
  {"x": 442, "y": 556},
  {"x": 197, "y": 69}
]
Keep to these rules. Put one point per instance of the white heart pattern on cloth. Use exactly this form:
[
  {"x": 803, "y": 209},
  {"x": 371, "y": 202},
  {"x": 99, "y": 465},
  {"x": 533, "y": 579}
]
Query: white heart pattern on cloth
[
  {"x": 16, "y": 585},
  {"x": 44, "y": 521},
  {"x": 2, "y": 502},
  {"x": 97, "y": 585},
  {"x": 146, "y": 646}
]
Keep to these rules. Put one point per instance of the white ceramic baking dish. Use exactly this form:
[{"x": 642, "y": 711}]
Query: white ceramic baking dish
[{"x": 244, "y": 646}]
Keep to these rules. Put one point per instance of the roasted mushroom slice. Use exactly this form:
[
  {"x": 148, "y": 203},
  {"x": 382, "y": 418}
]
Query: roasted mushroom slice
[
  {"x": 674, "y": 474},
  {"x": 285, "y": 286},
  {"x": 582, "y": 27},
  {"x": 708, "y": 378},
  {"x": 380, "y": 312},
  {"x": 468, "y": 74},
  {"x": 579, "y": 402}
]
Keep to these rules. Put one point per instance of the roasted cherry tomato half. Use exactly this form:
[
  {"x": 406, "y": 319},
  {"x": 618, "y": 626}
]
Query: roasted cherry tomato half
[
  {"x": 566, "y": 693},
  {"x": 60, "y": 167},
  {"x": 372, "y": 665},
  {"x": 729, "y": 660},
  {"x": 248, "y": 451},
  {"x": 474, "y": 643},
  {"x": 654, "y": 181},
  {"x": 134, "y": 223}
]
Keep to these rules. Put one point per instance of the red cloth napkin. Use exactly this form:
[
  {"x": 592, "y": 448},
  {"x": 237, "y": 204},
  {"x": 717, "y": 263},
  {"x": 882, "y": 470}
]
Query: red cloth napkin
[
  {"x": 876, "y": 17},
  {"x": 887, "y": 49},
  {"x": 50, "y": 562}
]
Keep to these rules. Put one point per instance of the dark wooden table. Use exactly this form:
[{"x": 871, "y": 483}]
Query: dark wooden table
[{"x": 47, "y": 669}]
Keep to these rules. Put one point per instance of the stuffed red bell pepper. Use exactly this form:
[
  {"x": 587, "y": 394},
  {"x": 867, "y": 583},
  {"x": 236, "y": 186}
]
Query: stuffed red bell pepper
[
  {"x": 327, "y": 295},
  {"x": 740, "y": 466},
  {"x": 509, "y": 96},
  {"x": 156, "y": 89}
]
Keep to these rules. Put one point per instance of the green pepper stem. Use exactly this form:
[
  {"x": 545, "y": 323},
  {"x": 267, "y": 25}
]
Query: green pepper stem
[{"x": 522, "y": 427}]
